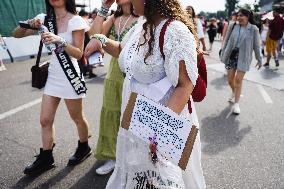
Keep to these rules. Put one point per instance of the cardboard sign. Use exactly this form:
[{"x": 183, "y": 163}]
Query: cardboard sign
[{"x": 175, "y": 135}]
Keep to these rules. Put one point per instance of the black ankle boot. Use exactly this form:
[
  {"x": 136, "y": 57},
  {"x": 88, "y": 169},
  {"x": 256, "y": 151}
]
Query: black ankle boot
[
  {"x": 82, "y": 152},
  {"x": 44, "y": 161}
]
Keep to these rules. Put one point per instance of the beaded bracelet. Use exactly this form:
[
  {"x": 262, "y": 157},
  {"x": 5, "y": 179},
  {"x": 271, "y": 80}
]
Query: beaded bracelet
[
  {"x": 103, "y": 12},
  {"x": 102, "y": 38}
]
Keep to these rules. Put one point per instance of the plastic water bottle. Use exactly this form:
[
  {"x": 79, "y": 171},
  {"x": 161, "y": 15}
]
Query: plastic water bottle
[{"x": 43, "y": 29}]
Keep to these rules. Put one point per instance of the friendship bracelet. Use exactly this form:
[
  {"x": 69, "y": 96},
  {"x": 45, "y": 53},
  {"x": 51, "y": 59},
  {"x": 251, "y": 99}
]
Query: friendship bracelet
[
  {"x": 102, "y": 38},
  {"x": 103, "y": 12}
]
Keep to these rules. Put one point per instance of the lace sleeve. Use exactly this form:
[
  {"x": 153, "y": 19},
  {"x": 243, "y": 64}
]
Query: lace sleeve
[{"x": 180, "y": 45}]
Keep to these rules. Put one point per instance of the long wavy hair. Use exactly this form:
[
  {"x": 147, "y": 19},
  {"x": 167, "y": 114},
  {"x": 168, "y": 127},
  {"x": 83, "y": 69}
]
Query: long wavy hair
[{"x": 169, "y": 9}]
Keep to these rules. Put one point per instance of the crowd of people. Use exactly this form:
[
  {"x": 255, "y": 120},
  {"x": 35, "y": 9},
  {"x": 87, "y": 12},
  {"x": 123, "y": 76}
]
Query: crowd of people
[
  {"x": 240, "y": 36},
  {"x": 132, "y": 36}
]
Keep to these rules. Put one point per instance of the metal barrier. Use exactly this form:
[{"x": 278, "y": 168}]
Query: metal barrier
[{"x": 21, "y": 48}]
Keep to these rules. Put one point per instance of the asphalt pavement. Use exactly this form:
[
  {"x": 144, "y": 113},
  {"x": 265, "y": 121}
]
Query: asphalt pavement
[{"x": 238, "y": 152}]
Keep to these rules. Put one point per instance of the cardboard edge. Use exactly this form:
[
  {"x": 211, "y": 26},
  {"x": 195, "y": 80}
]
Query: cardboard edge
[
  {"x": 126, "y": 119},
  {"x": 188, "y": 148}
]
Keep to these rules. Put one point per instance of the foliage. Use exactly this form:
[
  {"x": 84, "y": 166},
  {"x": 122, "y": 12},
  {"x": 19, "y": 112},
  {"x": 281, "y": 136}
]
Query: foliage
[
  {"x": 221, "y": 14},
  {"x": 264, "y": 2},
  {"x": 231, "y": 6}
]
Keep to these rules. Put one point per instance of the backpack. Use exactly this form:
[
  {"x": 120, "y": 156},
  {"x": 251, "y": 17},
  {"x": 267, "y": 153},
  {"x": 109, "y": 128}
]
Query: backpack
[{"x": 199, "y": 91}]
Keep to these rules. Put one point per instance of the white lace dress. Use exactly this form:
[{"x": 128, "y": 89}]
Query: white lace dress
[{"x": 132, "y": 153}]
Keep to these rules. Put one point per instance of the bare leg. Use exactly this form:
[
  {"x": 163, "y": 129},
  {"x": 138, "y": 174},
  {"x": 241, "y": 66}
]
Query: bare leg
[
  {"x": 75, "y": 108},
  {"x": 48, "y": 109},
  {"x": 275, "y": 55},
  {"x": 231, "y": 79},
  {"x": 238, "y": 85}
]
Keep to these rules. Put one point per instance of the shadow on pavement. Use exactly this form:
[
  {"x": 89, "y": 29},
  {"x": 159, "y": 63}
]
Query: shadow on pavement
[
  {"x": 269, "y": 73},
  {"x": 91, "y": 180},
  {"x": 97, "y": 80},
  {"x": 220, "y": 132},
  {"x": 220, "y": 82},
  {"x": 25, "y": 82},
  {"x": 26, "y": 180}
]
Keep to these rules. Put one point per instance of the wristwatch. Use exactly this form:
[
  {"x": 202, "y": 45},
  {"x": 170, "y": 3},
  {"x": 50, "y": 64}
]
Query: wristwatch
[
  {"x": 61, "y": 45},
  {"x": 63, "y": 42}
]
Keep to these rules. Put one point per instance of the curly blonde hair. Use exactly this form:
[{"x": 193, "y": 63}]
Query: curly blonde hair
[{"x": 169, "y": 9}]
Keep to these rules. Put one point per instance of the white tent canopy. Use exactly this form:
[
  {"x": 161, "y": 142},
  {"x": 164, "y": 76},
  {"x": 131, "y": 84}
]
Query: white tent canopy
[{"x": 268, "y": 15}]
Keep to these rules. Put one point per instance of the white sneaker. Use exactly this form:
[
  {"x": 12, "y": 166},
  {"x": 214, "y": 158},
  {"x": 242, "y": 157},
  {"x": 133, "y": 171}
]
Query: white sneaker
[
  {"x": 232, "y": 98},
  {"x": 236, "y": 109},
  {"x": 106, "y": 168},
  {"x": 2, "y": 67}
]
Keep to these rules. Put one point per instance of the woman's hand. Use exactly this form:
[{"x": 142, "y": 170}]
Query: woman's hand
[
  {"x": 107, "y": 3},
  {"x": 48, "y": 38},
  {"x": 35, "y": 23},
  {"x": 258, "y": 65},
  {"x": 93, "y": 46}
]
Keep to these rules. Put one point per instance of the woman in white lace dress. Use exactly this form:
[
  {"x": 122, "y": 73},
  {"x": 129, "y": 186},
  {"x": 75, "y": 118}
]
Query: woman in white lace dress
[{"x": 146, "y": 70}]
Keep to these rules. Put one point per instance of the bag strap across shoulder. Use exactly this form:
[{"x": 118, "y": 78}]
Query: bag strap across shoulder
[
  {"x": 162, "y": 36},
  {"x": 231, "y": 31},
  {"x": 39, "y": 53},
  {"x": 199, "y": 91},
  {"x": 40, "y": 48}
]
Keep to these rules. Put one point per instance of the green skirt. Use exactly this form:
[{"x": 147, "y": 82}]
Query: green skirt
[{"x": 110, "y": 113}]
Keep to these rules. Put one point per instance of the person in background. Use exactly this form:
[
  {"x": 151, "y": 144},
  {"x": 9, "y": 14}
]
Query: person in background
[
  {"x": 239, "y": 44},
  {"x": 212, "y": 32},
  {"x": 70, "y": 37},
  {"x": 225, "y": 26},
  {"x": 275, "y": 33},
  {"x": 281, "y": 43},
  {"x": 198, "y": 26},
  {"x": 264, "y": 31},
  {"x": 233, "y": 19},
  {"x": 281, "y": 48},
  {"x": 94, "y": 14},
  {"x": 204, "y": 23},
  {"x": 2, "y": 44},
  {"x": 116, "y": 26},
  {"x": 84, "y": 63},
  {"x": 220, "y": 27}
]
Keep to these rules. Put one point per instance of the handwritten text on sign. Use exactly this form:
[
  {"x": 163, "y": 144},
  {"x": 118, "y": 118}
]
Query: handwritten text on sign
[{"x": 150, "y": 118}]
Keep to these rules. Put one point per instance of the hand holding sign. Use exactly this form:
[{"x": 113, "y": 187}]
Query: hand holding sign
[{"x": 175, "y": 135}]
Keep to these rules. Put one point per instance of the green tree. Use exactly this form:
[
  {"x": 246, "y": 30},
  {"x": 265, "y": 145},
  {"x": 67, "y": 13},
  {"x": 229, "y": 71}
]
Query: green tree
[
  {"x": 202, "y": 13},
  {"x": 247, "y": 6},
  {"x": 256, "y": 6},
  {"x": 264, "y": 2},
  {"x": 221, "y": 14},
  {"x": 211, "y": 15},
  {"x": 277, "y": 1},
  {"x": 231, "y": 6}
]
